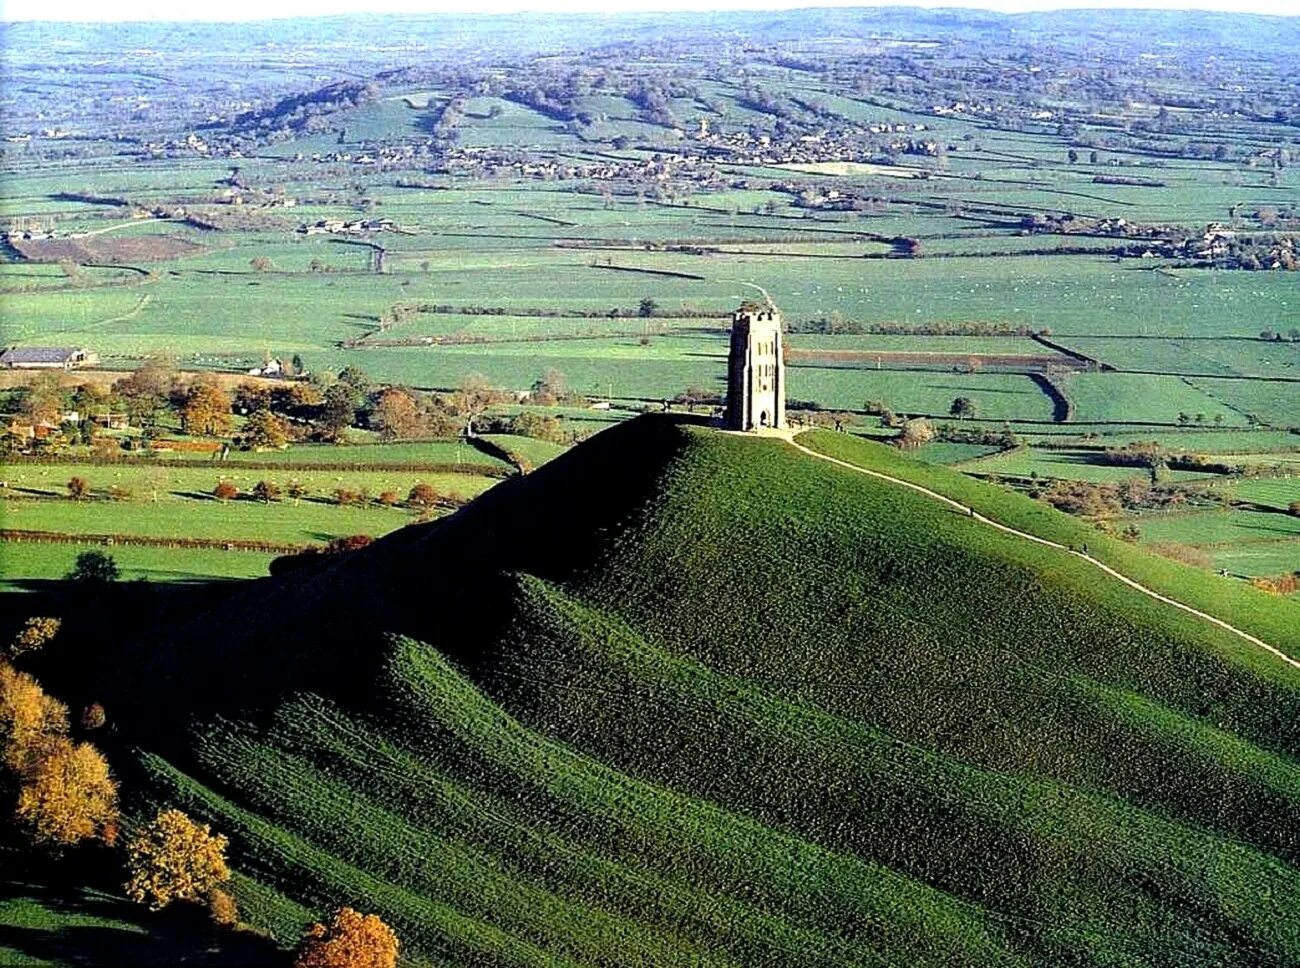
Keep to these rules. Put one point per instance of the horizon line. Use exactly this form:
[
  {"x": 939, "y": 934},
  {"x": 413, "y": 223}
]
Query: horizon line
[{"x": 1001, "y": 8}]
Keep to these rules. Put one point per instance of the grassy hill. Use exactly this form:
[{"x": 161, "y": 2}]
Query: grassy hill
[{"x": 686, "y": 698}]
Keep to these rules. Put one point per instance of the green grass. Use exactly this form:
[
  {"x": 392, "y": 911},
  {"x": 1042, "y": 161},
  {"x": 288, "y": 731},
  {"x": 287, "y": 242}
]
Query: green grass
[
  {"x": 1064, "y": 463},
  {"x": 1255, "y": 612},
  {"x": 176, "y": 502},
  {"x": 1272, "y": 492},
  {"x": 24, "y": 561},
  {"x": 722, "y": 703},
  {"x": 939, "y": 452},
  {"x": 1135, "y": 397},
  {"x": 534, "y": 452}
]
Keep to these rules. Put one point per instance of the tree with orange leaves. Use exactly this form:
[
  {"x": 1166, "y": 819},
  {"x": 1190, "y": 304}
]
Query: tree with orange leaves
[
  {"x": 28, "y": 718},
  {"x": 350, "y": 940},
  {"x": 173, "y": 858},
  {"x": 206, "y": 409},
  {"x": 67, "y": 795}
]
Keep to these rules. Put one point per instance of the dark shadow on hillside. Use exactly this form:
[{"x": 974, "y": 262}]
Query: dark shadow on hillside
[
  {"x": 162, "y": 945},
  {"x": 238, "y": 648}
]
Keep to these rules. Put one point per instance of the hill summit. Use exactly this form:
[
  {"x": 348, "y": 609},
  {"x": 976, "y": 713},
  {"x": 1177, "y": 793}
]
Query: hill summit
[{"x": 684, "y": 697}]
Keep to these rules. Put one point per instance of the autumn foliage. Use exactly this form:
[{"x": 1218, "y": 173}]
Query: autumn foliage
[
  {"x": 28, "y": 719},
  {"x": 350, "y": 940},
  {"x": 222, "y": 909},
  {"x": 68, "y": 796},
  {"x": 173, "y": 858},
  {"x": 206, "y": 409},
  {"x": 36, "y": 632},
  {"x": 422, "y": 496},
  {"x": 65, "y": 793}
]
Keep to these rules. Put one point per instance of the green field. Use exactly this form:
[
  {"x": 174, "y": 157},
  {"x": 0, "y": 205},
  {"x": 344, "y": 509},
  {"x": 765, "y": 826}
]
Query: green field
[
  {"x": 163, "y": 501},
  {"x": 1067, "y": 464},
  {"x": 1270, "y": 492},
  {"x": 27, "y": 561}
]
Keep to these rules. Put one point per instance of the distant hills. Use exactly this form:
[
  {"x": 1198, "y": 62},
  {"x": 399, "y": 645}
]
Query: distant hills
[
  {"x": 687, "y": 698},
  {"x": 487, "y": 36}
]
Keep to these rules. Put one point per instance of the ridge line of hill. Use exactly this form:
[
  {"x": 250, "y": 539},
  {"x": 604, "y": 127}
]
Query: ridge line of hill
[{"x": 976, "y": 516}]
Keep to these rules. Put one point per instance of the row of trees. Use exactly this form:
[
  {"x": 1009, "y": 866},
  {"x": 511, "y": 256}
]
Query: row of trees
[
  {"x": 322, "y": 408},
  {"x": 421, "y": 496}
]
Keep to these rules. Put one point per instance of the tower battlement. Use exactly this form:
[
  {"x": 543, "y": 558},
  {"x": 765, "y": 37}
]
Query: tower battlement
[{"x": 756, "y": 369}]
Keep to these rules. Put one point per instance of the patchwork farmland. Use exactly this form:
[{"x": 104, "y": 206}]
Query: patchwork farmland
[{"x": 1080, "y": 290}]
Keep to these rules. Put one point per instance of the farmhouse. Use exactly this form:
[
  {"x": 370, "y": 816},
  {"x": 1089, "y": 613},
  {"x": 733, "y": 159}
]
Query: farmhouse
[{"x": 46, "y": 358}]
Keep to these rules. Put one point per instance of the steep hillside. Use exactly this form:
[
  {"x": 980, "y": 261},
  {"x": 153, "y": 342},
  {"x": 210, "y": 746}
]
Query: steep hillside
[{"x": 683, "y": 698}]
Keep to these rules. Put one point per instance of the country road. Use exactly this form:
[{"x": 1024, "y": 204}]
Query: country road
[{"x": 1101, "y": 566}]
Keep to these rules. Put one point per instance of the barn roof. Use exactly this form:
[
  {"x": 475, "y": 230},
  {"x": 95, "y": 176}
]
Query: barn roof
[{"x": 38, "y": 354}]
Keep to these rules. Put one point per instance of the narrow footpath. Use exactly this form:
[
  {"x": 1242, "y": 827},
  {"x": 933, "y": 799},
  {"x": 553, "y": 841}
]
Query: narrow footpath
[{"x": 1101, "y": 566}]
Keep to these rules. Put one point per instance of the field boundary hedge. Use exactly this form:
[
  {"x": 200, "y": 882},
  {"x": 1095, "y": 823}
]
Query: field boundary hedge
[
  {"x": 222, "y": 544},
  {"x": 441, "y": 467}
]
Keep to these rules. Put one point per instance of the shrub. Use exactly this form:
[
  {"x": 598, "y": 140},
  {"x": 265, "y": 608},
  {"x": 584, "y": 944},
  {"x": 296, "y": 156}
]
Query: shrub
[
  {"x": 222, "y": 909},
  {"x": 36, "y": 632},
  {"x": 172, "y": 858},
  {"x": 78, "y": 488},
  {"x": 388, "y": 498},
  {"x": 915, "y": 433},
  {"x": 266, "y": 491},
  {"x": 353, "y": 542},
  {"x": 93, "y": 716},
  {"x": 1279, "y": 585},
  {"x": 422, "y": 496},
  {"x": 94, "y": 567},
  {"x": 538, "y": 426},
  {"x": 349, "y": 940},
  {"x": 225, "y": 491}
]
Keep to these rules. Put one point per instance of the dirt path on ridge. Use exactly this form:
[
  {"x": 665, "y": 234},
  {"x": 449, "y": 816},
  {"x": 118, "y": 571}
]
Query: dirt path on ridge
[{"x": 1025, "y": 535}]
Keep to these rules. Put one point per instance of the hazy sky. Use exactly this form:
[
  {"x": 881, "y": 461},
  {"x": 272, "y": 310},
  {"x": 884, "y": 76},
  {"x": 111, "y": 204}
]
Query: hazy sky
[{"x": 263, "y": 9}]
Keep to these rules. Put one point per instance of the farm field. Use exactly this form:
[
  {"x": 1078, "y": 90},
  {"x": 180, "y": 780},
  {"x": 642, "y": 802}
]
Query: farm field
[
  {"x": 1271, "y": 493},
  {"x": 22, "y": 562},
  {"x": 1075, "y": 465},
  {"x": 159, "y": 501},
  {"x": 1243, "y": 542}
]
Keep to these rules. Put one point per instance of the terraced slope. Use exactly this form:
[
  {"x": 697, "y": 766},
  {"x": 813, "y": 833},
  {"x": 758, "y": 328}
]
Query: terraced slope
[{"x": 686, "y": 698}]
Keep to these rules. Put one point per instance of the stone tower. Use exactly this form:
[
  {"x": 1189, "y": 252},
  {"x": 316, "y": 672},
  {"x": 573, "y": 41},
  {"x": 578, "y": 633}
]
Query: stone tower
[{"x": 756, "y": 370}]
